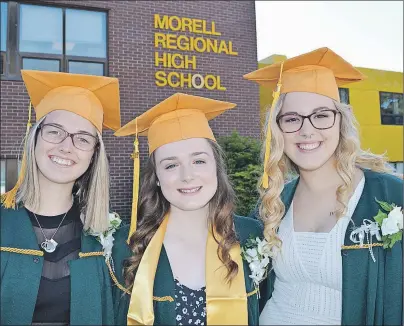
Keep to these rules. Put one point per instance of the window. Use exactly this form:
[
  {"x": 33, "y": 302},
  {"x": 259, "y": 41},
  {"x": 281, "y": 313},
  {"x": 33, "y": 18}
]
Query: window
[
  {"x": 2, "y": 176},
  {"x": 53, "y": 38},
  {"x": 344, "y": 95},
  {"x": 3, "y": 35},
  {"x": 8, "y": 174},
  {"x": 41, "y": 29},
  {"x": 398, "y": 167},
  {"x": 89, "y": 68},
  {"x": 40, "y": 64},
  {"x": 86, "y": 33},
  {"x": 391, "y": 108}
]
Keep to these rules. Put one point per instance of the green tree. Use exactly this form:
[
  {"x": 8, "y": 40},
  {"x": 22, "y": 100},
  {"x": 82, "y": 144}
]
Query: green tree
[{"x": 242, "y": 156}]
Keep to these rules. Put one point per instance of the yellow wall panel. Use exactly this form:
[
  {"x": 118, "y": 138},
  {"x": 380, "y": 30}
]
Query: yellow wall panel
[
  {"x": 366, "y": 106},
  {"x": 383, "y": 139}
]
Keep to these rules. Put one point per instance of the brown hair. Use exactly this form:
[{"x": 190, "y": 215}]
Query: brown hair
[{"x": 153, "y": 206}]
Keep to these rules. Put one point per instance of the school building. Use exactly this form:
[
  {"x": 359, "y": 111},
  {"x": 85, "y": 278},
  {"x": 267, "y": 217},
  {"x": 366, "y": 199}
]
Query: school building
[{"x": 155, "y": 48}]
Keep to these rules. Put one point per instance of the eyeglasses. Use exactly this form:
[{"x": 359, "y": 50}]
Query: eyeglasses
[
  {"x": 292, "y": 122},
  {"x": 55, "y": 135}
]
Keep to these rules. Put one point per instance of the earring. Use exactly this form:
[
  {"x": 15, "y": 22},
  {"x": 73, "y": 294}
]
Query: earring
[{"x": 158, "y": 183}]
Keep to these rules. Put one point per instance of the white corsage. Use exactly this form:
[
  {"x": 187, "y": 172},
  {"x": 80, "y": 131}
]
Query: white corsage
[
  {"x": 257, "y": 253},
  {"x": 388, "y": 221},
  {"x": 106, "y": 238}
]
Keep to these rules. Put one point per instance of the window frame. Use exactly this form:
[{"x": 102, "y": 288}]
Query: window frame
[
  {"x": 393, "y": 116},
  {"x": 69, "y": 58},
  {"x": 14, "y": 58},
  {"x": 347, "y": 92},
  {"x": 11, "y": 172},
  {"x": 4, "y": 53},
  {"x": 3, "y": 63}
]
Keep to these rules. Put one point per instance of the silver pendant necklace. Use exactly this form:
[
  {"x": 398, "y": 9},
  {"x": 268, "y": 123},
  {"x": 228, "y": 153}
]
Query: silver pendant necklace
[{"x": 49, "y": 245}]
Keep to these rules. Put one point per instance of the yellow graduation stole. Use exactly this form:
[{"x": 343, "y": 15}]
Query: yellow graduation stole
[{"x": 225, "y": 305}]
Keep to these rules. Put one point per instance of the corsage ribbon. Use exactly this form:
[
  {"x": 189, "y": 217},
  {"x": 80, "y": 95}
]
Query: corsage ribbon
[{"x": 368, "y": 229}]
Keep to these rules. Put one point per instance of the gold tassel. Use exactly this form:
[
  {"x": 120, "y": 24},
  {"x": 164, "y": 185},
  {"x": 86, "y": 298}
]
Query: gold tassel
[
  {"x": 135, "y": 195},
  {"x": 8, "y": 199},
  {"x": 275, "y": 95}
]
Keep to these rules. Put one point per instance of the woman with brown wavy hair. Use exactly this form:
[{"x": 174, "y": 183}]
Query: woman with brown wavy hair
[
  {"x": 337, "y": 227},
  {"x": 186, "y": 267}
]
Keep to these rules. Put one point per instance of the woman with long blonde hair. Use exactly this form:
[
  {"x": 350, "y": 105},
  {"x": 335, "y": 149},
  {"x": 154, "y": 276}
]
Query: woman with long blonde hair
[
  {"x": 187, "y": 266},
  {"x": 57, "y": 234},
  {"x": 332, "y": 211}
]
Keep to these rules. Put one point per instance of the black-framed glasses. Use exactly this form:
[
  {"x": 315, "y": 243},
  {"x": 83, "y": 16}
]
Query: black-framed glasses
[
  {"x": 55, "y": 135},
  {"x": 293, "y": 122}
]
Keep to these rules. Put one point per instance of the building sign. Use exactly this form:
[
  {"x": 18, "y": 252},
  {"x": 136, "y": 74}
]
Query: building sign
[{"x": 205, "y": 39}]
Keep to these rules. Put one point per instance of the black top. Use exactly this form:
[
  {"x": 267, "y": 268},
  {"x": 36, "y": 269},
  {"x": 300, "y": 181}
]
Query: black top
[
  {"x": 190, "y": 305},
  {"x": 53, "y": 301}
]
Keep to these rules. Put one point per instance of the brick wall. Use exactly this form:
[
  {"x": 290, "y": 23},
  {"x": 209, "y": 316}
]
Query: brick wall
[{"x": 131, "y": 59}]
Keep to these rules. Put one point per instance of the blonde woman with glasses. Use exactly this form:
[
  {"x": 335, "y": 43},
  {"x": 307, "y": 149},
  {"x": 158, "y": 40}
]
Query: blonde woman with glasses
[
  {"x": 59, "y": 242},
  {"x": 336, "y": 228}
]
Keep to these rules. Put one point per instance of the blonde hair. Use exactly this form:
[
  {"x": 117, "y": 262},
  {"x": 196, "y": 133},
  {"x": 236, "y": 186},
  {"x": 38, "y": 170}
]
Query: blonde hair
[
  {"x": 92, "y": 187},
  {"x": 280, "y": 168}
]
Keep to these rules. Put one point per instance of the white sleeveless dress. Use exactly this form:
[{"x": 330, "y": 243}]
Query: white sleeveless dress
[{"x": 308, "y": 283}]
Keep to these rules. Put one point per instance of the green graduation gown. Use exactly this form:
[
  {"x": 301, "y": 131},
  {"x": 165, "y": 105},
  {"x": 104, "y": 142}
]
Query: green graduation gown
[
  {"x": 95, "y": 299},
  {"x": 372, "y": 292},
  {"x": 164, "y": 311}
]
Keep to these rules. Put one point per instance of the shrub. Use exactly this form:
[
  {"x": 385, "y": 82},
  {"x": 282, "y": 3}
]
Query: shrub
[{"x": 244, "y": 169}]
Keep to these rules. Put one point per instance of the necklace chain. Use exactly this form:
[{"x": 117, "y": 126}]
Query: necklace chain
[{"x": 49, "y": 245}]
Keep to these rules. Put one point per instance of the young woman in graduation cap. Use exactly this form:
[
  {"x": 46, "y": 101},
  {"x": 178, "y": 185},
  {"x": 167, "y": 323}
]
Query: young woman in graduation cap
[
  {"x": 187, "y": 267},
  {"x": 338, "y": 261},
  {"x": 57, "y": 234}
]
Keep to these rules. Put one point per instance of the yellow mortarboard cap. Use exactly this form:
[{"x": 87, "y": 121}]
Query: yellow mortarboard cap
[
  {"x": 321, "y": 71},
  {"x": 179, "y": 117},
  {"x": 95, "y": 98}
]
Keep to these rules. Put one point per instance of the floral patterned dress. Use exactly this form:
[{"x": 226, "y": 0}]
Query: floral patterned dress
[{"x": 190, "y": 305}]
